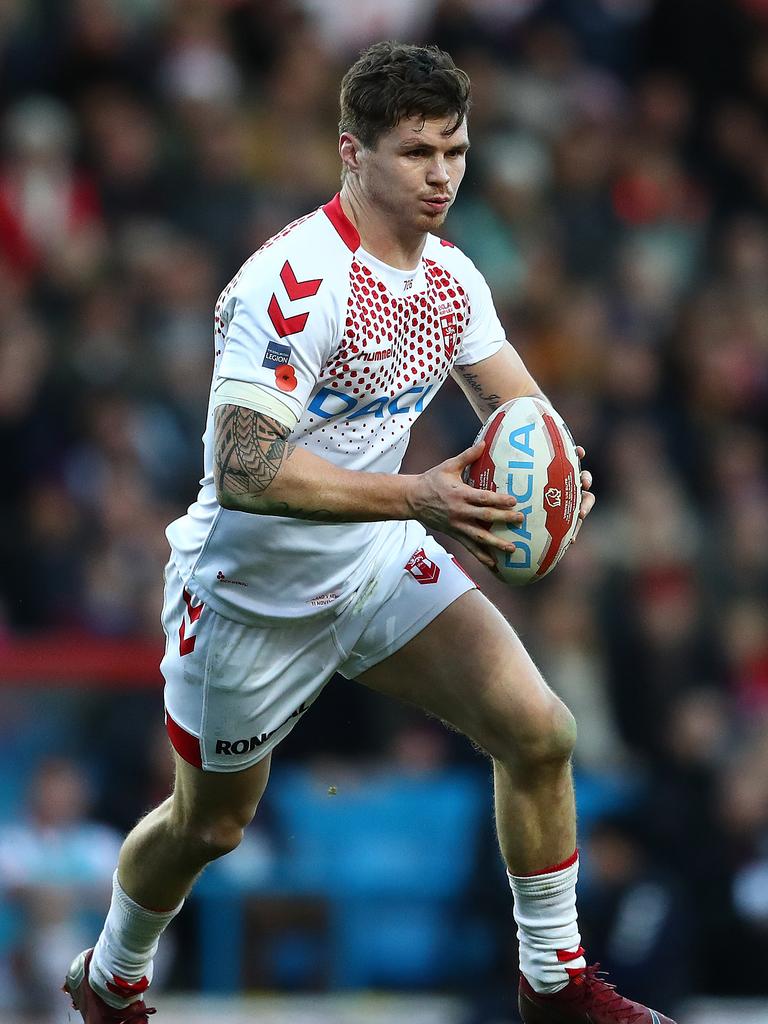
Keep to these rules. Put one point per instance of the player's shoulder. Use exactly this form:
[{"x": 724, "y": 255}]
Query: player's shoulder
[
  {"x": 302, "y": 255},
  {"x": 447, "y": 254}
]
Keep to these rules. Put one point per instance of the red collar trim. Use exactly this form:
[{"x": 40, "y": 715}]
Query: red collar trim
[{"x": 344, "y": 226}]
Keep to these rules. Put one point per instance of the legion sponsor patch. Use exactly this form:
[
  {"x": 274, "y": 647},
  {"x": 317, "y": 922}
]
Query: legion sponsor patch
[{"x": 277, "y": 355}]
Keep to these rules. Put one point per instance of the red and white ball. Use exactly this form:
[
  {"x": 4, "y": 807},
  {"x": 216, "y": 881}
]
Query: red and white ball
[{"x": 530, "y": 454}]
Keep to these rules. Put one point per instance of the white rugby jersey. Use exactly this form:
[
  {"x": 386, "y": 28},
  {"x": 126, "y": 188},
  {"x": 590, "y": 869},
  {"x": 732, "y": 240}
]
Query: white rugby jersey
[{"x": 357, "y": 349}]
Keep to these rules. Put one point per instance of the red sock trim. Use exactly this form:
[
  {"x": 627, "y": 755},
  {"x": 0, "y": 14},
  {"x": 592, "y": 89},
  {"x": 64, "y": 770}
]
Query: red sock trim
[
  {"x": 555, "y": 867},
  {"x": 127, "y": 989},
  {"x": 564, "y": 957}
]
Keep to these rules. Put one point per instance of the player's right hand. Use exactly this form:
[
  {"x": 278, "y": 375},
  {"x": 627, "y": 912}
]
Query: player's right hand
[{"x": 442, "y": 501}]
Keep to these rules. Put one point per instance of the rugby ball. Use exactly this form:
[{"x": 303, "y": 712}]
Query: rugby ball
[{"x": 530, "y": 454}]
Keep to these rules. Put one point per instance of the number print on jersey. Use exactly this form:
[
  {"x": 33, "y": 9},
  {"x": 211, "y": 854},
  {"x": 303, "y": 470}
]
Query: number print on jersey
[{"x": 295, "y": 290}]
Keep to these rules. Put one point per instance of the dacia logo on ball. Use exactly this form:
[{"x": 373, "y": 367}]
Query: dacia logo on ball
[{"x": 521, "y": 469}]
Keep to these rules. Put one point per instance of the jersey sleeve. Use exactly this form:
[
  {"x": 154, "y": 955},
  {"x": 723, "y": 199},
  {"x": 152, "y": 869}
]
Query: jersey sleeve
[
  {"x": 484, "y": 335},
  {"x": 278, "y": 332}
]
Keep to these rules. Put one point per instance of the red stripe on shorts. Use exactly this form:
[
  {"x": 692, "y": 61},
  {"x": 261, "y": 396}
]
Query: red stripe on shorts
[
  {"x": 458, "y": 565},
  {"x": 184, "y": 743}
]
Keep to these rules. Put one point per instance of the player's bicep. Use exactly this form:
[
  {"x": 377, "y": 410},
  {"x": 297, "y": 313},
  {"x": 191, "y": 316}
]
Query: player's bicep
[{"x": 250, "y": 448}]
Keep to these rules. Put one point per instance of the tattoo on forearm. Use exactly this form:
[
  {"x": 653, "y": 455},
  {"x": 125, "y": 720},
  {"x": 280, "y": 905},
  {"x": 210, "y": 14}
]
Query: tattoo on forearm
[
  {"x": 492, "y": 401},
  {"x": 250, "y": 450},
  {"x": 320, "y": 515}
]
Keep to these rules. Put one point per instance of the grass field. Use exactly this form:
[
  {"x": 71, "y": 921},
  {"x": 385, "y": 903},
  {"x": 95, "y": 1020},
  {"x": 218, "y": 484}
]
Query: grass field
[
  {"x": 373, "y": 1009},
  {"x": 320, "y": 1009}
]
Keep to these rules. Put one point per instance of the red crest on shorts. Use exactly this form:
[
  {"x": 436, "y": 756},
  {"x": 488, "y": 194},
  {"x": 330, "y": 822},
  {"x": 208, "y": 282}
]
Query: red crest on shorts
[{"x": 423, "y": 569}]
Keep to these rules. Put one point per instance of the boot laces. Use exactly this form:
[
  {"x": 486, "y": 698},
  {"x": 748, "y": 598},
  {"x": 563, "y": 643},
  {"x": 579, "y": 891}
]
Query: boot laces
[{"x": 603, "y": 995}]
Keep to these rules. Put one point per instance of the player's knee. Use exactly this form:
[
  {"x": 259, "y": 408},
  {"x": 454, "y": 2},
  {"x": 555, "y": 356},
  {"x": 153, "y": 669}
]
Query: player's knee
[
  {"x": 221, "y": 837},
  {"x": 545, "y": 734},
  {"x": 211, "y": 837},
  {"x": 549, "y": 736}
]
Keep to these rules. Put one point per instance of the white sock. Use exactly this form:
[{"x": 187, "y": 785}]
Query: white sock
[
  {"x": 121, "y": 968},
  {"x": 547, "y": 927}
]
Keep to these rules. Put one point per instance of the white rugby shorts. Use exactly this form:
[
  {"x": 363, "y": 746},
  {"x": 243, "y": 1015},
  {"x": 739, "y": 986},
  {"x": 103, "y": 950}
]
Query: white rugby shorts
[{"x": 234, "y": 691}]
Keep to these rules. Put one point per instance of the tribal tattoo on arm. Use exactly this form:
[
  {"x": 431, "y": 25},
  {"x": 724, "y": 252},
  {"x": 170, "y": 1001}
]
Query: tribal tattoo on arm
[{"x": 250, "y": 450}]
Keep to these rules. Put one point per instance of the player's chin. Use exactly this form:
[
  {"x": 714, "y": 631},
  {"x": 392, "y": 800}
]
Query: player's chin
[{"x": 428, "y": 221}]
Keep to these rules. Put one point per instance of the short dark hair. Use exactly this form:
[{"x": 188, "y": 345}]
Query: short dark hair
[{"x": 391, "y": 81}]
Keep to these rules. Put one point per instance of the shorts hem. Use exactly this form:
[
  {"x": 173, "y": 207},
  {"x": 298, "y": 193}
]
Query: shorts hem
[
  {"x": 242, "y": 766},
  {"x": 412, "y": 630},
  {"x": 225, "y": 769}
]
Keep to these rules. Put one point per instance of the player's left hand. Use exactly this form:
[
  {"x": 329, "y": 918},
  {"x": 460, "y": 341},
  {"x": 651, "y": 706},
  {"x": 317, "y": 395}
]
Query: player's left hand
[{"x": 587, "y": 497}]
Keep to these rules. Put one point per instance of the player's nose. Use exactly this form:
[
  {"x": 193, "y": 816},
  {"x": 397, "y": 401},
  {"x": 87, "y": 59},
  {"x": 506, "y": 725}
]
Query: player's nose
[{"x": 437, "y": 172}]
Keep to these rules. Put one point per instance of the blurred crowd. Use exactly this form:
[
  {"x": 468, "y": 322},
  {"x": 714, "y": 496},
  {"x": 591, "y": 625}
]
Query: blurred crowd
[{"x": 616, "y": 200}]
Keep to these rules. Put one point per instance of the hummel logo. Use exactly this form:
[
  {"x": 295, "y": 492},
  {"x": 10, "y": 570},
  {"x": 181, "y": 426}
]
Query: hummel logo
[
  {"x": 654, "y": 1016},
  {"x": 376, "y": 357},
  {"x": 223, "y": 579}
]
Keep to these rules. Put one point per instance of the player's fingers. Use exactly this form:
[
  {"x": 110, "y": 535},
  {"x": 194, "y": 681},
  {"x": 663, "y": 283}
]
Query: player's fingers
[
  {"x": 476, "y": 496},
  {"x": 483, "y": 556},
  {"x": 580, "y": 451},
  {"x": 586, "y": 480},
  {"x": 587, "y": 502},
  {"x": 486, "y": 538},
  {"x": 498, "y": 515}
]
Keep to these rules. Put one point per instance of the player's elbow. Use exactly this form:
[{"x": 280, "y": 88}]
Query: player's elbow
[
  {"x": 236, "y": 501},
  {"x": 229, "y": 500}
]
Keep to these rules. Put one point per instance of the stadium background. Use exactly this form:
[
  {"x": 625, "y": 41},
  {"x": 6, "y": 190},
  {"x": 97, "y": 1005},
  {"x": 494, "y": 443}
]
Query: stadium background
[{"x": 616, "y": 201}]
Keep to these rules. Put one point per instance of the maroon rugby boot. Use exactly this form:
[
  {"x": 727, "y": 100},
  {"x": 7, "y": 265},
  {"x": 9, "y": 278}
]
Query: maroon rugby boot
[
  {"x": 92, "y": 1007},
  {"x": 586, "y": 999}
]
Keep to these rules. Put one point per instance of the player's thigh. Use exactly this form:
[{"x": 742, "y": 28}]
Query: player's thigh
[
  {"x": 469, "y": 668},
  {"x": 203, "y": 798}
]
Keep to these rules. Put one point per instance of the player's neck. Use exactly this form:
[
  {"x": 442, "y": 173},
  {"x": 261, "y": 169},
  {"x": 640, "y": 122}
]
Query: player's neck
[{"x": 378, "y": 235}]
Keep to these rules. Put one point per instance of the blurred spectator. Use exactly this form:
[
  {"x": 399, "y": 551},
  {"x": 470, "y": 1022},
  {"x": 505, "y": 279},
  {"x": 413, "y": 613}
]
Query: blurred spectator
[
  {"x": 634, "y": 915},
  {"x": 126, "y": 154},
  {"x": 51, "y": 209},
  {"x": 55, "y": 870}
]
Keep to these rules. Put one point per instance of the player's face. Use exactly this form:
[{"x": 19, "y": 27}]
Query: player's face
[{"x": 415, "y": 170}]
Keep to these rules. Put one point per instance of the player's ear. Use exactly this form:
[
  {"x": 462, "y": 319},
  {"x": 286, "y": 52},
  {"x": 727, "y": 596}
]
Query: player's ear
[{"x": 349, "y": 151}]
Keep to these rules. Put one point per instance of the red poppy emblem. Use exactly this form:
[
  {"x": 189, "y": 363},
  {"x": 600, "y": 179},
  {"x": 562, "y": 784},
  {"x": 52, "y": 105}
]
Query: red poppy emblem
[{"x": 286, "y": 377}]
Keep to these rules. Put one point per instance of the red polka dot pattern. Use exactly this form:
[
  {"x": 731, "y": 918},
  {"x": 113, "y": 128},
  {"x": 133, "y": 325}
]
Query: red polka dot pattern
[{"x": 390, "y": 345}]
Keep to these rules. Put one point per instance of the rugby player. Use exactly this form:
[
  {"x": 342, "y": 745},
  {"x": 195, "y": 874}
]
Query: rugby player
[{"x": 308, "y": 553}]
